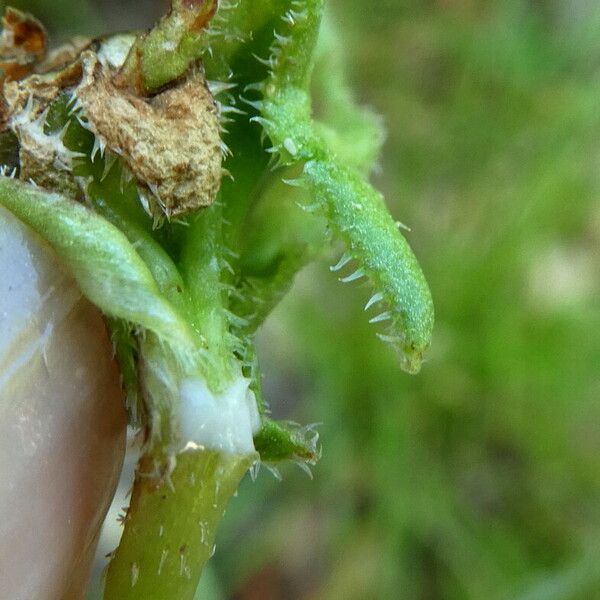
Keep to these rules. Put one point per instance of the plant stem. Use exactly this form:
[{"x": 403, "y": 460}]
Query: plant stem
[{"x": 163, "y": 551}]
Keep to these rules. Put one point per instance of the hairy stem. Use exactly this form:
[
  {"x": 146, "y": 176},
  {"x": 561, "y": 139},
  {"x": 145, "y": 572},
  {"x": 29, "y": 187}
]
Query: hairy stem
[{"x": 163, "y": 551}]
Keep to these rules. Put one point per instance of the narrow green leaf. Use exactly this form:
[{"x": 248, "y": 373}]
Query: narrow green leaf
[
  {"x": 355, "y": 211},
  {"x": 278, "y": 441}
]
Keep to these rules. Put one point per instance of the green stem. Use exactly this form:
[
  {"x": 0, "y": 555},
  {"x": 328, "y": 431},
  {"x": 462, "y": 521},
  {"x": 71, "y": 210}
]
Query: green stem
[
  {"x": 201, "y": 264},
  {"x": 163, "y": 550},
  {"x": 278, "y": 240}
]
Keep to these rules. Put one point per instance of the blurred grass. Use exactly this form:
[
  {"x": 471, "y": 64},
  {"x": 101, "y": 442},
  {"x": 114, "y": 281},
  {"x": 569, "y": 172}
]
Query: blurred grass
[{"x": 479, "y": 478}]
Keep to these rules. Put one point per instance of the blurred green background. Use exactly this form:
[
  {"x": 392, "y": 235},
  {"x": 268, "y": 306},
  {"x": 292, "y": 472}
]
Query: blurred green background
[{"x": 480, "y": 477}]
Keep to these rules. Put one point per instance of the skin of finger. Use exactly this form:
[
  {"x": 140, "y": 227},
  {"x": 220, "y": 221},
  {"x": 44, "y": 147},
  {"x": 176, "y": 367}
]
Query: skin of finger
[{"x": 62, "y": 423}]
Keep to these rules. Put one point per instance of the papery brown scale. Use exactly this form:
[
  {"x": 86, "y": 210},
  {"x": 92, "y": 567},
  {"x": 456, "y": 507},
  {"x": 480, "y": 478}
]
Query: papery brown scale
[
  {"x": 42, "y": 158},
  {"x": 22, "y": 44},
  {"x": 64, "y": 56},
  {"x": 170, "y": 142},
  {"x": 28, "y": 34}
]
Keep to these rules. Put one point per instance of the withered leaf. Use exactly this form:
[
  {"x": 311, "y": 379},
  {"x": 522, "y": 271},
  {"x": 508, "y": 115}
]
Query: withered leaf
[{"x": 170, "y": 142}]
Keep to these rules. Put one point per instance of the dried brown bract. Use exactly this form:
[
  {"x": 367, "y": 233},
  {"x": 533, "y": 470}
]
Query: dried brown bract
[
  {"x": 64, "y": 55},
  {"x": 43, "y": 158},
  {"x": 22, "y": 44},
  {"x": 170, "y": 142}
]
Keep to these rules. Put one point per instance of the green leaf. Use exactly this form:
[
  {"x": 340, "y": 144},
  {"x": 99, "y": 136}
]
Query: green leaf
[
  {"x": 372, "y": 238},
  {"x": 107, "y": 268},
  {"x": 355, "y": 211},
  {"x": 278, "y": 441}
]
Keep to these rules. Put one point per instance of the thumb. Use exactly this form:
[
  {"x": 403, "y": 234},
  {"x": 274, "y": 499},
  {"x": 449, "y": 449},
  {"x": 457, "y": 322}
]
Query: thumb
[{"x": 62, "y": 423}]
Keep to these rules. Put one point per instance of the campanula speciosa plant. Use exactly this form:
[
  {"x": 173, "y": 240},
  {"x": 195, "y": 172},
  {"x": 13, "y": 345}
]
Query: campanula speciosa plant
[{"x": 184, "y": 177}]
